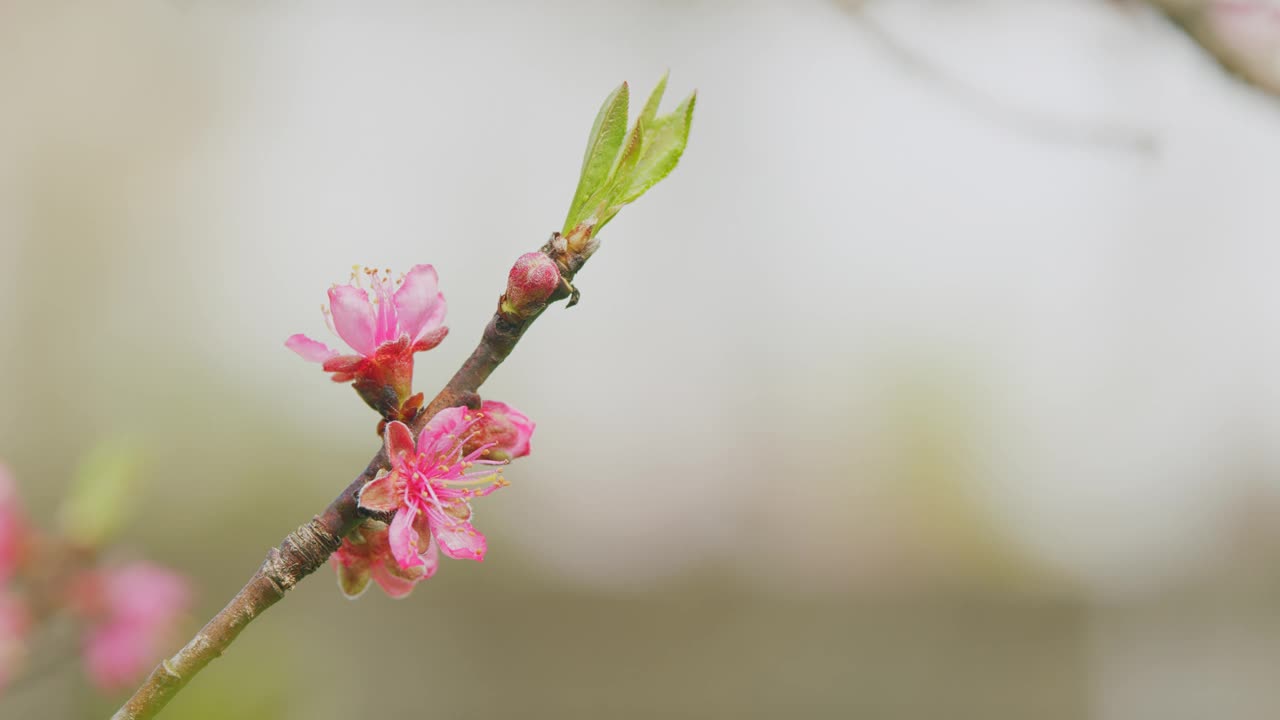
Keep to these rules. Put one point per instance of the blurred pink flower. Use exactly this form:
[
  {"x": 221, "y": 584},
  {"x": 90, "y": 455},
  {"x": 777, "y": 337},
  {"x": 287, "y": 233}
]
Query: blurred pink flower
[
  {"x": 429, "y": 488},
  {"x": 15, "y": 621},
  {"x": 384, "y": 331},
  {"x": 132, "y": 611},
  {"x": 366, "y": 554},
  {"x": 13, "y": 527}
]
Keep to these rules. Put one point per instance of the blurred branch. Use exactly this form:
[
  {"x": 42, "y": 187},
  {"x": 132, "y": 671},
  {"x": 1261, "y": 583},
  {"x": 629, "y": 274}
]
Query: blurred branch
[
  {"x": 307, "y": 548},
  {"x": 1027, "y": 121},
  {"x": 1195, "y": 18}
]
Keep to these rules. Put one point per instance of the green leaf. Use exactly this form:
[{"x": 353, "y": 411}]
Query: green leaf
[
  {"x": 651, "y": 105},
  {"x": 620, "y": 175},
  {"x": 598, "y": 161},
  {"x": 103, "y": 493},
  {"x": 615, "y": 173},
  {"x": 664, "y": 145}
]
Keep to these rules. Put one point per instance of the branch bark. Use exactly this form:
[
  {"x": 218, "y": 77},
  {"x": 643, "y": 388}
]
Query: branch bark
[{"x": 304, "y": 550}]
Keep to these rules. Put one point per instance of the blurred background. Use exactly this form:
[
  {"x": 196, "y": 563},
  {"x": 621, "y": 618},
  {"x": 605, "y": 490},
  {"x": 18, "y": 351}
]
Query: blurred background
[{"x": 942, "y": 379}]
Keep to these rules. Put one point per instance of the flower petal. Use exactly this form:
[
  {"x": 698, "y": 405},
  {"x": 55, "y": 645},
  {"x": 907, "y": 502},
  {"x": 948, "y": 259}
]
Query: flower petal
[
  {"x": 430, "y": 558},
  {"x": 397, "y": 582},
  {"x": 419, "y": 303},
  {"x": 441, "y": 431},
  {"x": 353, "y": 317},
  {"x": 142, "y": 605},
  {"x": 399, "y": 440},
  {"x": 404, "y": 539},
  {"x": 310, "y": 350},
  {"x": 379, "y": 494},
  {"x": 395, "y": 586},
  {"x": 509, "y": 429},
  {"x": 458, "y": 539}
]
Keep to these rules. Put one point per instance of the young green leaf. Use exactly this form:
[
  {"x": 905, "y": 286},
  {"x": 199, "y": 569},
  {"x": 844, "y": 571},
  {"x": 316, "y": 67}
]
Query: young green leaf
[
  {"x": 664, "y": 145},
  {"x": 606, "y": 137},
  {"x": 650, "y": 110},
  {"x": 615, "y": 173}
]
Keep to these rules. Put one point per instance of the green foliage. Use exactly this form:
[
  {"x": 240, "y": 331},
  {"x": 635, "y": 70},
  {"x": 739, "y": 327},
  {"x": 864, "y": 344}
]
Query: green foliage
[
  {"x": 100, "y": 499},
  {"x": 620, "y": 166}
]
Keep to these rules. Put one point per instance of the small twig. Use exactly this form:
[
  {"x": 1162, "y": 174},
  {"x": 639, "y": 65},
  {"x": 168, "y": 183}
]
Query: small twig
[
  {"x": 1028, "y": 121},
  {"x": 307, "y": 548}
]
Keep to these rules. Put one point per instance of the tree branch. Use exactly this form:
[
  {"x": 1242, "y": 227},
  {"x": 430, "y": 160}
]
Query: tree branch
[{"x": 307, "y": 548}]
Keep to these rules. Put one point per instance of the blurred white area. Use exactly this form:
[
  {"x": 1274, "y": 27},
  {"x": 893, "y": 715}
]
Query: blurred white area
[{"x": 866, "y": 335}]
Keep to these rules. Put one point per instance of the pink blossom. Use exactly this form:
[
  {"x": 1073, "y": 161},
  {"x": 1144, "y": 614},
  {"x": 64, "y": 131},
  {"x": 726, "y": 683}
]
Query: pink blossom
[
  {"x": 430, "y": 486},
  {"x": 15, "y": 622},
  {"x": 505, "y": 430},
  {"x": 366, "y": 554},
  {"x": 13, "y": 527},
  {"x": 132, "y": 611},
  {"x": 401, "y": 318}
]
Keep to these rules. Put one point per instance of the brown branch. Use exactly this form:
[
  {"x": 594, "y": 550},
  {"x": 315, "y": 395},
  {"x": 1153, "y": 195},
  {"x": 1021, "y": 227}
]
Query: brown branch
[{"x": 307, "y": 548}]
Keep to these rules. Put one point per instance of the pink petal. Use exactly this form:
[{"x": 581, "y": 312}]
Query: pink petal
[
  {"x": 419, "y": 304},
  {"x": 353, "y": 317},
  {"x": 397, "y": 582},
  {"x": 435, "y": 319},
  {"x": 404, "y": 539},
  {"x": 435, "y": 437},
  {"x": 379, "y": 494},
  {"x": 143, "y": 603},
  {"x": 430, "y": 558},
  {"x": 508, "y": 427},
  {"x": 310, "y": 350},
  {"x": 393, "y": 585},
  {"x": 13, "y": 527},
  {"x": 117, "y": 653},
  {"x": 399, "y": 440},
  {"x": 146, "y": 593},
  {"x": 458, "y": 539}
]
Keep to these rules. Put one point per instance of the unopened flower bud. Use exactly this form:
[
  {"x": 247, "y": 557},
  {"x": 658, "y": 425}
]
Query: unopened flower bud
[{"x": 532, "y": 280}]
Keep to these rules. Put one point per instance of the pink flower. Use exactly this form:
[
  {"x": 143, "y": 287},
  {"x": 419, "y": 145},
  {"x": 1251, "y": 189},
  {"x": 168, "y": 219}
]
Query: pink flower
[
  {"x": 384, "y": 331},
  {"x": 430, "y": 486},
  {"x": 504, "y": 430},
  {"x": 366, "y": 553},
  {"x": 13, "y": 527},
  {"x": 15, "y": 621},
  {"x": 132, "y": 611}
]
